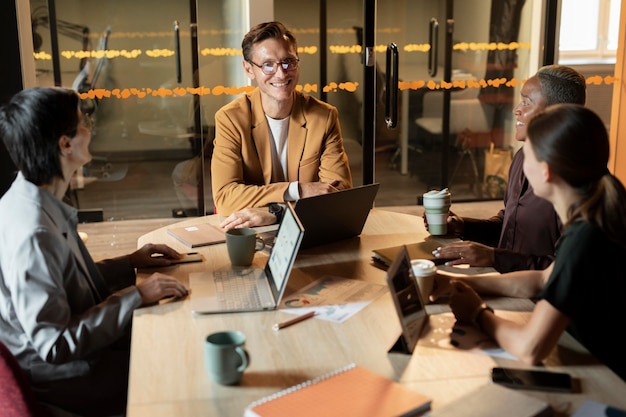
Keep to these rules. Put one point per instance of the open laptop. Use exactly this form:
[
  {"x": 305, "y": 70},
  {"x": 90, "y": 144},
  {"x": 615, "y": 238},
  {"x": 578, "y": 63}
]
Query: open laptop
[
  {"x": 439, "y": 330},
  {"x": 250, "y": 289},
  {"x": 407, "y": 299},
  {"x": 335, "y": 216}
]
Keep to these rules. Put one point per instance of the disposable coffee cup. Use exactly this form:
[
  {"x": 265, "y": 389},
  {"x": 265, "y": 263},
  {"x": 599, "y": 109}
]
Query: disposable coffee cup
[
  {"x": 437, "y": 206},
  {"x": 242, "y": 244},
  {"x": 424, "y": 272},
  {"x": 225, "y": 357}
]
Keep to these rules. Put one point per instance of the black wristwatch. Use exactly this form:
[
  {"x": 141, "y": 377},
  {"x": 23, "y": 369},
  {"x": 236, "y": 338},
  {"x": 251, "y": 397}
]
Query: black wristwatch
[{"x": 277, "y": 210}]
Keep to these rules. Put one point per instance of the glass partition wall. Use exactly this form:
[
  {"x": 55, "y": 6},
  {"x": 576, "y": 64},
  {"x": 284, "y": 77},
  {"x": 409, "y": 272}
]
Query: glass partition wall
[
  {"x": 460, "y": 64},
  {"x": 152, "y": 76},
  {"x": 137, "y": 66}
]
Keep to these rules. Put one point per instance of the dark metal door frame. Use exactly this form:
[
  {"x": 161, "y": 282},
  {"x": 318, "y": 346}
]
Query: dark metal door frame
[
  {"x": 197, "y": 115},
  {"x": 447, "y": 77},
  {"x": 369, "y": 89}
]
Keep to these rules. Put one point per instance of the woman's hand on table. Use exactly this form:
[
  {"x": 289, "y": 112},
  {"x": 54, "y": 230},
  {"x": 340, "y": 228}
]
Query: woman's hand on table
[
  {"x": 465, "y": 252},
  {"x": 249, "y": 217}
]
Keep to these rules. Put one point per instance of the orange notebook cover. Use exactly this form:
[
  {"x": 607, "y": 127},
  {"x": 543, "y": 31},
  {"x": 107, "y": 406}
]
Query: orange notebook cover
[
  {"x": 198, "y": 235},
  {"x": 353, "y": 391}
]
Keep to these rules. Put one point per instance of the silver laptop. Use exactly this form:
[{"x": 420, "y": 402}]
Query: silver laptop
[
  {"x": 251, "y": 289},
  {"x": 335, "y": 216}
]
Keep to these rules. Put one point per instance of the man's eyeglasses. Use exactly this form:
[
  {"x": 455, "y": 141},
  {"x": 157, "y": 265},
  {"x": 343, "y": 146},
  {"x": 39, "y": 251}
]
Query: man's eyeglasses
[{"x": 270, "y": 68}]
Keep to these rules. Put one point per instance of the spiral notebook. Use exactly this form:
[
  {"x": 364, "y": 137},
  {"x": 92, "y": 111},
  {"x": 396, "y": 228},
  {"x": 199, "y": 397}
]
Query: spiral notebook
[{"x": 352, "y": 391}]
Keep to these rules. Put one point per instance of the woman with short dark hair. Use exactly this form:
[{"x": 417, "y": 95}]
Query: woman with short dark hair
[{"x": 65, "y": 318}]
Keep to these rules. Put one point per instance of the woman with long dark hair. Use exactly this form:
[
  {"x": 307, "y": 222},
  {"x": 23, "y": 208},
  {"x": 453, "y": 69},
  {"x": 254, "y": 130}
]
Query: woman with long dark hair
[{"x": 583, "y": 290}]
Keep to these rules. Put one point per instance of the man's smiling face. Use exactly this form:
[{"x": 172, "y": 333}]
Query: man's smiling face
[{"x": 279, "y": 86}]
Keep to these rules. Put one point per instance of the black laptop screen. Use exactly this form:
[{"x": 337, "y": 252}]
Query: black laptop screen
[
  {"x": 284, "y": 252},
  {"x": 406, "y": 296}
]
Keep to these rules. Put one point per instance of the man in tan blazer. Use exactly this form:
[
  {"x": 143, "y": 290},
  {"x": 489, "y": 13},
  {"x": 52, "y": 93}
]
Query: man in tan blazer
[{"x": 274, "y": 144}]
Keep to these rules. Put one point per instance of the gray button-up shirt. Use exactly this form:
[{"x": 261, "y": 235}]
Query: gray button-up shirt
[{"x": 49, "y": 316}]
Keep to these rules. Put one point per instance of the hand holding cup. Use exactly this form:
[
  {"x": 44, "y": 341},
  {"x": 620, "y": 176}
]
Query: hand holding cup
[{"x": 436, "y": 208}]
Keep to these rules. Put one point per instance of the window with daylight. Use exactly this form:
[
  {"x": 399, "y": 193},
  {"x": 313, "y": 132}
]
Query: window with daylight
[{"x": 589, "y": 31}]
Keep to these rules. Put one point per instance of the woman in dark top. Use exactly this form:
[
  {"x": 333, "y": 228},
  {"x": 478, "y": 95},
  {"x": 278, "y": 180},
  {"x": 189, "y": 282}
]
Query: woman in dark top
[
  {"x": 523, "y": 235},
  {"x": 583, "y": 290}
]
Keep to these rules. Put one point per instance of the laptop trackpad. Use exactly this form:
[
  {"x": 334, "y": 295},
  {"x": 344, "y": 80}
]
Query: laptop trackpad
[
  {"x": 202, "y": 292},
  {"x": 205, "y": 297}
]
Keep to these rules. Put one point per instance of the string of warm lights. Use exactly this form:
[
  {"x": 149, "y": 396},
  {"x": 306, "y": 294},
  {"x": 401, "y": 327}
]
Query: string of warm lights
[
  {"x": 335, "y": 49},
  {"x": 307, "y": 50},
  {"x": 333, "y": 87},
  {"x": 303, "y": 50},
  {"x": 228, "y": 32}
]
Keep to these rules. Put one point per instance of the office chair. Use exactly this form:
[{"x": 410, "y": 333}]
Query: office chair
[{"x": 16, "y": 397}]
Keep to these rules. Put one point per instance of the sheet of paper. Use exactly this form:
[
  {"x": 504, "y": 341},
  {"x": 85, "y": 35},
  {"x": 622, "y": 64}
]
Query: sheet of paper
[{"x": 333, "y": 298}]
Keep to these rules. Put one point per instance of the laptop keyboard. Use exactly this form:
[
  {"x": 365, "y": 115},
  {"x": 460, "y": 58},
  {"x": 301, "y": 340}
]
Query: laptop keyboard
[{"x": 238, "y": 289}]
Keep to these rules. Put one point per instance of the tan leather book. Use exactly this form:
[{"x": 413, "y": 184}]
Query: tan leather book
[{"x": 198, "y": 235}]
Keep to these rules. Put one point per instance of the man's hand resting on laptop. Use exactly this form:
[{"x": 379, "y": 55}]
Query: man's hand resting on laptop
[
  {"x": 260, "y": 216},
  {"x": 249, "y": 217},
  {"x": 310, "y": 189}
]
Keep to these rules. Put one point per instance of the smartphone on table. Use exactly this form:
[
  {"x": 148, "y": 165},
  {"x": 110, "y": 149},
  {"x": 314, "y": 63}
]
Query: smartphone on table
[
  {"x": 187, "y": 257},
  {"x": 532, "y": 379}
]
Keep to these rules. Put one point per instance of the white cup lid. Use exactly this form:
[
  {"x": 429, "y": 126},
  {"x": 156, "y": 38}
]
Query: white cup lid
[{"x": 423, "y": 267}]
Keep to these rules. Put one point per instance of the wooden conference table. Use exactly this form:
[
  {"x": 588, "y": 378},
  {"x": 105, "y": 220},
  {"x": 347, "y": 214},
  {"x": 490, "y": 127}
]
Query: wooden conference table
[{"x": 167, "y": 376}]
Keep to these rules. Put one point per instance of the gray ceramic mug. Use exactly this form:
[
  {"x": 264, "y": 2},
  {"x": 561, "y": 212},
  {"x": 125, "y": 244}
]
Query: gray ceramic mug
[
  {"x": 242, "y": 244},
  {"x": 225, "y": 358}
]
